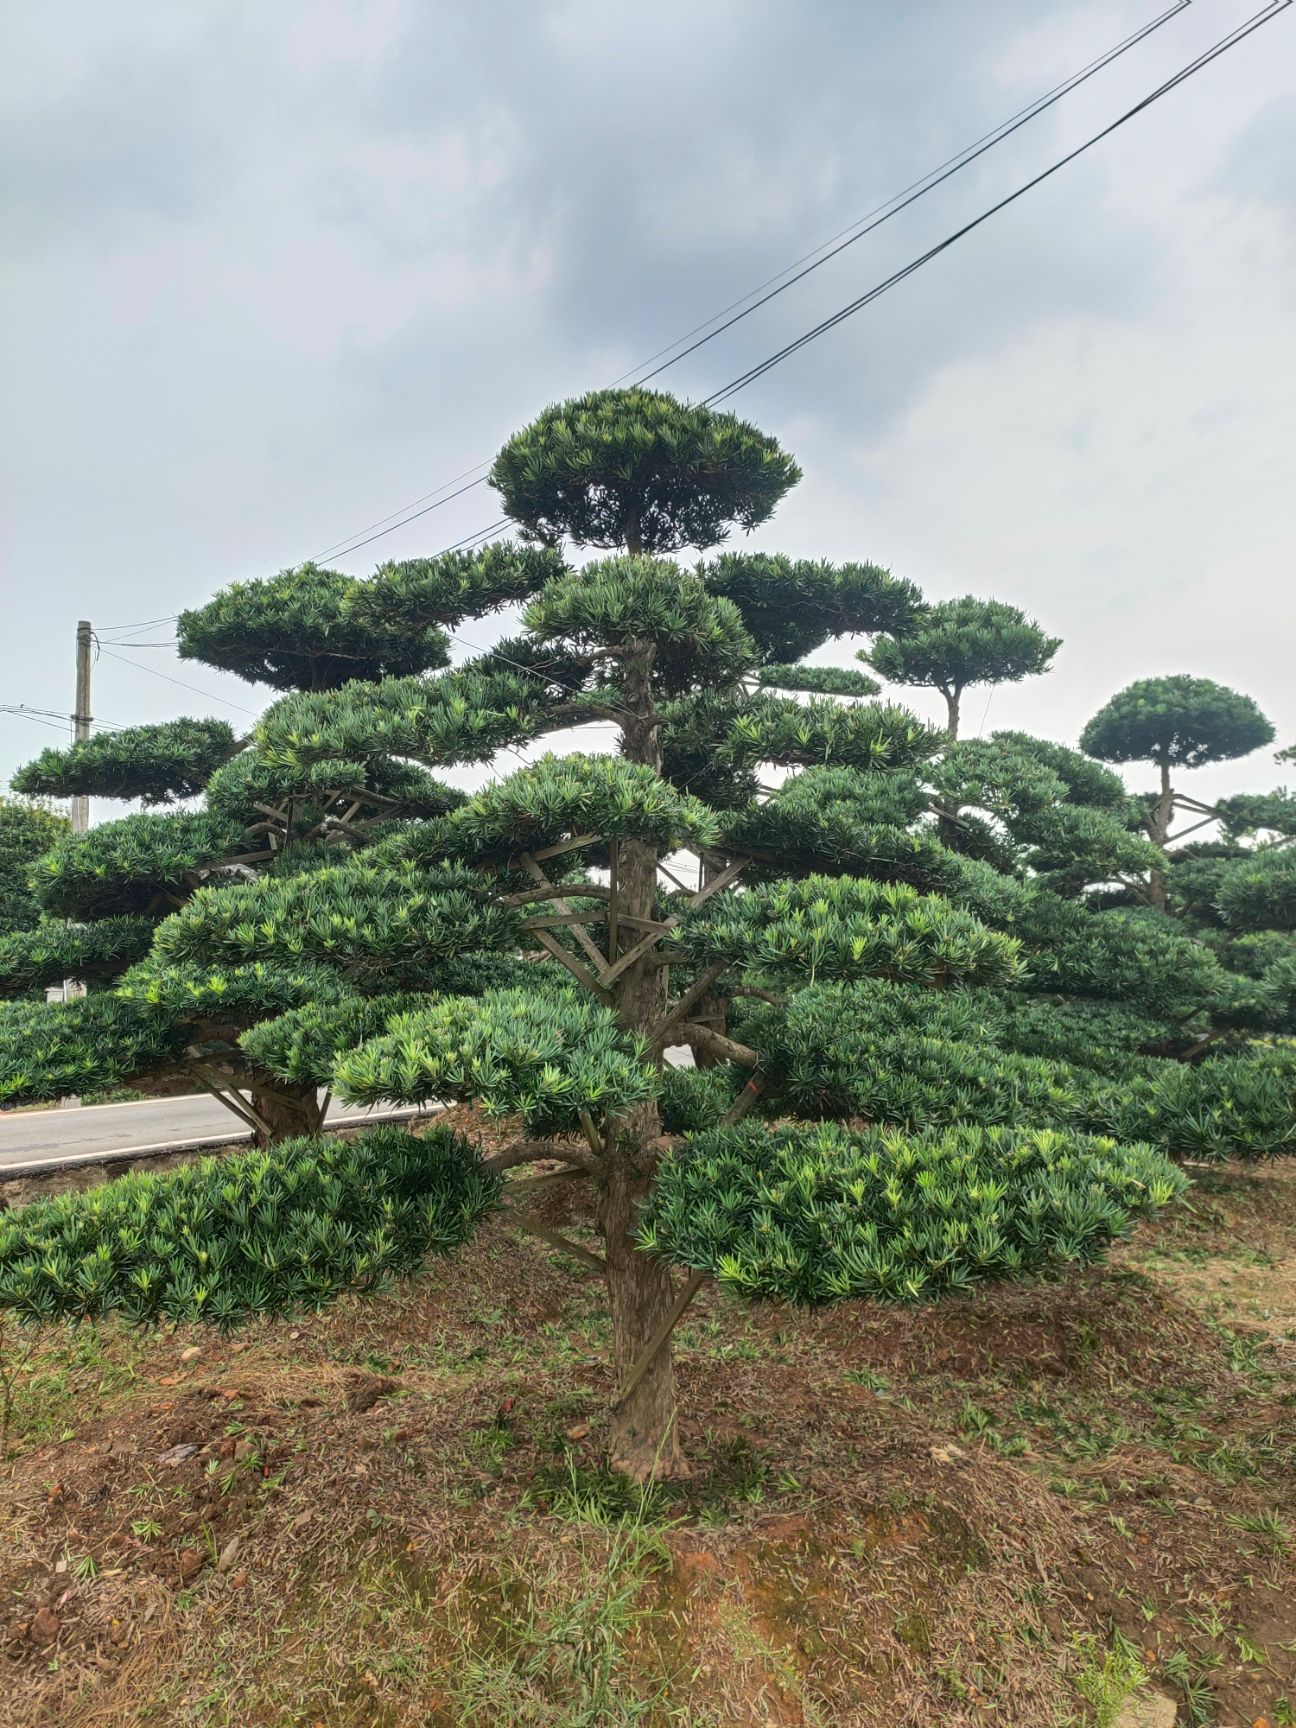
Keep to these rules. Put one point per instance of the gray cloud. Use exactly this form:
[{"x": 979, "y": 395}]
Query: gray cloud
[{"x": 283, "y": 268}]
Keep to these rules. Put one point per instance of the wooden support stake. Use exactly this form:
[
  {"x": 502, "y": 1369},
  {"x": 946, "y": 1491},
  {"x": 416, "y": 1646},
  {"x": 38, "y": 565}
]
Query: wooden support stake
[
  {"x": 591, "y": 1133},
  {"x": 743, "y": 1102},
  {"x": 566, "y": 846},
  {"x": 681, "y": 1008},
  {"x": 612, "y": 931},
  {"x": 579, "y": 972},
  {"x": 550, "y": 1178},
  {"x": 663, "y": 1332},
  {"x": 671, "y": 876},
  {"x": 723, "y": 880},
  {"x": 222, "y": 1088},
  {"x": 525, "y": 1221},
  {"x": 636, "y": 953},
  {"x": 591, "y": 947}
]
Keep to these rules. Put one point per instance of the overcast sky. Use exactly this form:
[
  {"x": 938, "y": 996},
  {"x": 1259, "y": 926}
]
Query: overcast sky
[{"x": 277, "y": 270}]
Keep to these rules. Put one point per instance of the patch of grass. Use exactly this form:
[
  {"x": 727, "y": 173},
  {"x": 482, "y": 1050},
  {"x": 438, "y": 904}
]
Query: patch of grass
[
  {"x": 560, "y": 1660},
  {"x": 581, "y": 1493},
  {"x": 1107, "y": 1679}
]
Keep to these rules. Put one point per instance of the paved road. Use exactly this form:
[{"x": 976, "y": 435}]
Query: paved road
[{"x": 152, "y": 1124}]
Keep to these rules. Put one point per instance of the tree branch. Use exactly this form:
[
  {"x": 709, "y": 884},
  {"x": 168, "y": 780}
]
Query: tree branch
[
  {"x": 700, "y": 1037},
  {"x": 534, "y": 1151}
]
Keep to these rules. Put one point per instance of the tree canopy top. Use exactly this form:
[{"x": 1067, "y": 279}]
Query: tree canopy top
[
  {"x": 1179, "y": 721},
  {"x": 299, "y": 630},
  {"x": 638, "y": 469},
  {"x": 960, "y": 642}
]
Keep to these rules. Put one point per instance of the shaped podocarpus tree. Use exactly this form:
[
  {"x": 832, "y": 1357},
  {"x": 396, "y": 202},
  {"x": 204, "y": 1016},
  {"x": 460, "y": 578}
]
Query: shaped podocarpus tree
[
  {"x": 664, "y": 655},
  {"x": 956, "y": 645},
  {"x": 102, "y": 895},
  {"x": 1174, "y": 723},
  {"x": 581, "y": 866}
]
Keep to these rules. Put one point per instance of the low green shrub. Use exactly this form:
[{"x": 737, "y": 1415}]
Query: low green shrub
[
  {"x": 259, "y": 1232},
  {"x": 1233, "y": 1106}
]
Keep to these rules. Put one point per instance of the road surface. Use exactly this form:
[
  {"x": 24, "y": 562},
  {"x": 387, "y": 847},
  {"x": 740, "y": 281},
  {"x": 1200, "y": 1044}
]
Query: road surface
[{"x": 89, "y": 1132}]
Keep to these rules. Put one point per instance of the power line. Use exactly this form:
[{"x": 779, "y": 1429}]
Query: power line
[
  {"x": 344, "y": 551},
  {"x": 154, "y": 673},
  {"x": 953, "y": 165},
  {"x": 1222, "y": 46},
  {"x": 38, "y": 719},
  {"x": 138, "y": 624},
  {"x": 54, "y": 716},
  {"x": 337, "y": 545},
  {"x": 1213, "y": 53},
  {"x": 900, "y": 200}
]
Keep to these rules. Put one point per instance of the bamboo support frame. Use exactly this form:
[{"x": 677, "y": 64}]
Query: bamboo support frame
[{"x": 693, "y": 1284}]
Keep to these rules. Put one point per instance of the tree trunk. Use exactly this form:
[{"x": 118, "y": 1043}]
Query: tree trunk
[
  {"x": 1159, "y": 829},
  {"x": 946, "y": 825},
  {"x": 952, "y": 711},
  {"x": 713, "y": 1008},
  {"x": 641, "y": 1291},
  {"x": 286, "y": 1110}
]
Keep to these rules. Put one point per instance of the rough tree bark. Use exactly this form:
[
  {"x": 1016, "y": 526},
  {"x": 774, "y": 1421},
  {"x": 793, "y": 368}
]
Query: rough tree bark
[
  {"x": 952, "y": 699},
  {"x": 287, "y": 1110},
  {"x": 1158, "y": 830},
  {"x": 643, "y": 1441}
]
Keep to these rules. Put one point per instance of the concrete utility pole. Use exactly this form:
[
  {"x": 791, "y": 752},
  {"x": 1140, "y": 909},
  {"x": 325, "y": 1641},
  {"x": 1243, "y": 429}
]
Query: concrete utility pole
[
  {"x": 80, "y": 812},
  {"x": 81, "y": 718}
]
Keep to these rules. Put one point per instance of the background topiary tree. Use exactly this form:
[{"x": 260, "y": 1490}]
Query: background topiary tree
[
  {"x": 757, "y": 877},
  {"x": 99, "y": 898},
  {"x": 957, "y": 644},
  {"x": 1174, "y": 723}
]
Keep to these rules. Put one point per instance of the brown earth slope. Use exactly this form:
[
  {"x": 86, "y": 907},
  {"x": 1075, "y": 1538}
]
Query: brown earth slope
[{"x": 1015, "y": 1509}]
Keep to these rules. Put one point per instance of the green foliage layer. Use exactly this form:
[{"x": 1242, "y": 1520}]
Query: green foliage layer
[
  {"x": 637, "y": 468},
  {"x": 1179, "y": 721},
  {"x": 156, "y": 764},
  {"x": 265, "y": 1232},
  {"x": 818, "y": 1214}
]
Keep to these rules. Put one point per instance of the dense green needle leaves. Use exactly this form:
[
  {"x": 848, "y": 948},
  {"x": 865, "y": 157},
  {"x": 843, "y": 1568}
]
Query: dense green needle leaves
[
  {"x": 156, "y": 764},
  {"x": 607, "y": 606},
  {"x": 636, "y": 468},
  {"x": 820, "y": 680},
  {"x": 133, "y": 865},
  {"x": 58, "y": 1049},
  {"x": 548, "y": 1055},
  {"x": 264, "y": 1232},
  {"x": 91, "y": 953},
  {"x": 298, "y": 631},
  {"x": 560, "y": 798},
  {"x": 364, "y": 919},
  {"x": 1183, "y": 722},
  {"x": 793, "y": 605},
  {"x": 1260, "y": 891},
  {"x": 841, "y": 927},
  {"x": 815, "y": 1214}
]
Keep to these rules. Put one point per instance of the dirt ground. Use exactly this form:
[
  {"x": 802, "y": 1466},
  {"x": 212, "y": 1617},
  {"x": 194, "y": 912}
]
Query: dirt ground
[{"x": 1017, "y": 1509}]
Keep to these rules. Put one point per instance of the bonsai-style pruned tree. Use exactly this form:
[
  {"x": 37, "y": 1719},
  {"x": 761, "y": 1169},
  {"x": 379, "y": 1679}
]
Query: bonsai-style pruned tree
[
  {"x": 957, "y": 644},
  {"x": 536, "y": 947},
  {"x": 1175, "y": 722},
  {"x": 101, "y": 896}
]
